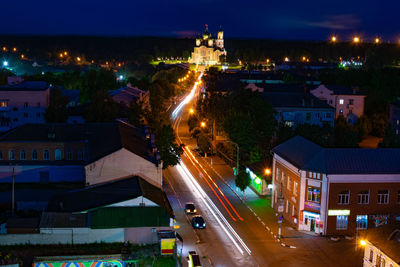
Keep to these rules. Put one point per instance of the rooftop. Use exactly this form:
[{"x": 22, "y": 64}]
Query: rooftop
[
  {"x": 25, "y": 86},
  {"x": 100, "y": 195},
  {"x": 309, "y": 156},
  {"x": 118, "y": 135},
  {"x": 294, "y": 100},
  {"x": 386, "y": 238}
]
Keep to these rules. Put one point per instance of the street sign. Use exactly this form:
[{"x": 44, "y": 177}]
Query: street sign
[
  {"x": 280, "y": 208},
  {"x": 280, "y": 218}
]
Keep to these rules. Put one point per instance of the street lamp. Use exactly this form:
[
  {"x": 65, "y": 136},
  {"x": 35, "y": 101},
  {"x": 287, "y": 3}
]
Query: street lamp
[
  {"x": 267, "y": 171},
  {"x": 191, "y": 111},
  {"x": 377, "y": 40},
  {"x": 363, "y": 243},
  {"x": 203, "y": 124},
  {"x": 356, "y": 39},
  {"x": 333, "y": 39}
]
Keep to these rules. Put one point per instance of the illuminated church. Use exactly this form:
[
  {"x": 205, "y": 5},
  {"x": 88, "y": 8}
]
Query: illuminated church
[{"x": 208, "y": 50}]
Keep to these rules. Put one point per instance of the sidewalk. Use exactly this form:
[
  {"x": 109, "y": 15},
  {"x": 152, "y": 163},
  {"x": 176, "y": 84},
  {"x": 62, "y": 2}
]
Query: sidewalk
[{"x": 260, "y": 206}]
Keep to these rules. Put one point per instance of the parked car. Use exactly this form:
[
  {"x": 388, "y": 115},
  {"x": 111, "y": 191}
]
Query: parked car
[
  {"x": 190, "y": 208},
  {"x": 198, "y": 222}
]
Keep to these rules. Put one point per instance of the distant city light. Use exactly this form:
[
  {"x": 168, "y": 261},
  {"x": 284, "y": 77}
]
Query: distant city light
[
  {"x": 267, "y": 60},
  {"x": 304, "y": 58},
  {"x": 377, "y": 40},
  {"x": 5, "y": 63},
  {"x": 363, "y": 243},
  {"x": 286, "y": 59},
  {"x": 15, "y": 49},
  {"x": 61, "y": 55},
  {"x": 78, "y": 58},
  {"x": 333, "y": 38},
  {"x": 267, "y": 171},
  {"x": 356, "y": 39},
  {"x": 65, "y": 53},
  {"x": 22, "y": 56},
  {"x": 203, "y": 124},
  {"x": 4, "y": 48},
  {"x": 42, "y": 72},
  {"x": 121, "y": 77}
]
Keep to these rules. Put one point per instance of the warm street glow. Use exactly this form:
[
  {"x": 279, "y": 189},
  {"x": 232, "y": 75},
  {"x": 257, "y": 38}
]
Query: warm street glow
[
  {"x": 22, "y": 56},
  {"x": 61, "y": 55},
  {"x": 65, "y": 53},
  {"x": 78, "y": 58},
  {"x": 333, "y": 38},
  {"x": 304, "y": 58},
  {"x": 267, "y": 60},
  {"x": 363, "y": 243},
  {"x": 286, "y": 59},
  {"x": 203, "y": 124},
  {"x": 267, "y": 171},
  {"x": 356, "y": 39},
  {"x": 377, "y": 40},
  {"x": 191, "y": 111},
  {"x": 15, "y": 49},
  {"x": 4, "y": 48}
]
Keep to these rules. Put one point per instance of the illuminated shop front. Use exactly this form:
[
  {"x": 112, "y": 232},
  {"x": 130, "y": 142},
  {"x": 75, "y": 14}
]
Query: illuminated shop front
[
  {"x": 258, "y": 184},
  {"x": 312, "y": 222}
]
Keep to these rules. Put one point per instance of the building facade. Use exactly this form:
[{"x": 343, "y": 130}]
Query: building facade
[
  {"x": 208, "y": 50},
  {"x": 23, "y": 102},
  {"x": 346, "y": 101},
  {"x": 335, "y": 191}
]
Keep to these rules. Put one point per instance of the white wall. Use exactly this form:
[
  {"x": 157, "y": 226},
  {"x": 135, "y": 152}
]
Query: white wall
[
  {"x": 64, "y": 236},
  {"x": 377, "y": 252},
  {"x": 143, "y": 235},
  {"x": 122, "y": 163}
]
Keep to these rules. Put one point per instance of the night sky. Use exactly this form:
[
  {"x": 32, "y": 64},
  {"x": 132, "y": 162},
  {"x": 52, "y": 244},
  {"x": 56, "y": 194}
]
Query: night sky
[{"x": 278, "y": 19}]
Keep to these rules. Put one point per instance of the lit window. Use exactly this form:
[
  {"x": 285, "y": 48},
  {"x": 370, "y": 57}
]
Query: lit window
[
  {"x": 3, "y": 104},
  {"x": 362, "y": 221},
  {"x": 11, "y": 155},
  {"x": 363, "y": 197},
  {"x": 46, "y": 155},
  {"x": 34, "y": 155},
  {"x": 341, "y": 222},
  {"x": 341, "y": 101},
  {"x": 383, "y": 196},
  {"x": 344, "y": 197},
  {"x": 57, "y": 155},
  {"x": 313, "y": 194},
  {"x": 371, "y": 255},
  {"x": 289, "y": 181},
  {"x": 296, "y": 186},
  {"x": 22, "y": 155},
  {"x": 351, "y": 101}
]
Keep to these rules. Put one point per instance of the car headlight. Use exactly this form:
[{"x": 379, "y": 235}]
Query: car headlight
[
  {"x": 187, "y": 210},
  {"x": 204, "y": 224},
  {"x": 194, "y": 210},
  {"x": 197, "y": 225}
]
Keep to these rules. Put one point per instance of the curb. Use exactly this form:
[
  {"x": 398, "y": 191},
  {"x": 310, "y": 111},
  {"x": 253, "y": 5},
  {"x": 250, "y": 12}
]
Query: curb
[{"x": 258, "y": 218}]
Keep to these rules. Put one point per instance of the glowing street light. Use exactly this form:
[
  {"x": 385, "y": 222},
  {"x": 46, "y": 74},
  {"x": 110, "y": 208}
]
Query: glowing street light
[
  {"x": 203, "y": 124},
  {"x": 267, "y": 60},
  {"x": 65, "y": 53},
  {"x": 15, "y": 49},
  {"x": 61, "y": 55},
  {"x": 286, "y": 59},
  {"x": 377, "y": 40},
  {"x": 191, "y": 111},
  {"x": 78, "y": 58},
  {"x": 5, "y": 63},
  {"x": 4, "y": 48},
  {"x": 267, "y": 171},
  {"x": 356, "y": 39},
  {"x": 304, "y": 58},
  {"x": 22, "y": 56},
  {"x": 363, "y": 243},
  {"x": 333, "y": 39}
]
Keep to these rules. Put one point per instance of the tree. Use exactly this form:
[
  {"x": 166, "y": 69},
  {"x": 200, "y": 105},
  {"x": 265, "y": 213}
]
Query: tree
[
  {"x": 242, "y": 180},
  {"x": 102, "y": 108},
  {"x": 57, "y": 109},
  {"x": 203, "y": 143},
  {"x": 135, "y": 114},
  {"x": 363, "y": 127},
  {"x": 169, "y": 150},
  {"x": 391, "y": 139},
  {"x": 345, "y": 134},
  {"x": 193, "y": 122}
]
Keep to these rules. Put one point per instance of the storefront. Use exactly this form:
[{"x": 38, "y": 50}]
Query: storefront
[
  {"x": 259, "y": 184},
  {"x": 311, "y": 222}
]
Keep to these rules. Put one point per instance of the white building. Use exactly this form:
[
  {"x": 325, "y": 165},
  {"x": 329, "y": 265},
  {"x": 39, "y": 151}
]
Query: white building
[
  {"x": 382, "y": 246},
  {"x": 208, "y": 50},
  {"x": 347, "y": 102}
]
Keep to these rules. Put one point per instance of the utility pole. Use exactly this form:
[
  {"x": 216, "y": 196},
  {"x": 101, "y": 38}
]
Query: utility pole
[
  {"x": 237, "y": 155},
  {"x": 13, "y": 193}
]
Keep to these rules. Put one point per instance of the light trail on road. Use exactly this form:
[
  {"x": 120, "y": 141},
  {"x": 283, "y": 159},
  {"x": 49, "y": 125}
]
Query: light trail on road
[
  {"x": 192, "y": 183},
  {"x": 187, "y": 99}
]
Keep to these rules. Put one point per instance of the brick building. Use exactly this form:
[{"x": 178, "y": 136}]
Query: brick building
[{"x": 335, "y": 191}]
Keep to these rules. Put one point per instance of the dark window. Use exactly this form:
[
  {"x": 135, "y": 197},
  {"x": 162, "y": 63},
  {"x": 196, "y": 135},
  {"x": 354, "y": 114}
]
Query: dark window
[
  {"x": 25, "y": 115},
  {"x": 363, "y": 197},
  {"x": 46, "y": 155},
  {"x": 58, "y": 155},
  {"x": 344, "y": 197},
  {"x": 1, "y": 155},
  {"x": 11, "y": 155},
  {"x": 351, "y": 101},
  {"x": 38, "y": 104},
  {"x": 308, "y": 116},
  {"x": 34, "y": 155},
  {"x": 80, "y": 155},
  {"x": 38, "y": 114},
  {"x": 383, "y": 196},
  {"x": 69, "y": 155},
  {"x": 25, "y": 104},
  {"x": 22, "y": 155}
]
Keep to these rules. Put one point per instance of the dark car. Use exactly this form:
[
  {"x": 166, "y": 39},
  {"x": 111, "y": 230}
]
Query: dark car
[
  {"x": 198, "y": 222},
  {"x": 190, "y": 208}
]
